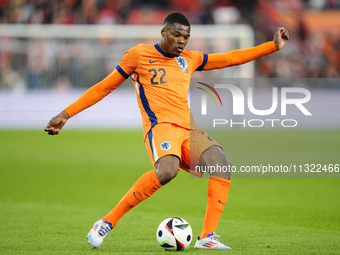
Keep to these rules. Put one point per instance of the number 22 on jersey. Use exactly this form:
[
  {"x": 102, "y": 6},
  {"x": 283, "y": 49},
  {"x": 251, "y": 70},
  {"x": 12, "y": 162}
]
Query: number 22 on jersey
[{"x": 158, "y": 76}]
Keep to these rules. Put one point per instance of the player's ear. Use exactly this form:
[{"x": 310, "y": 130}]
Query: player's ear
[{"x": 163, "y": 32}]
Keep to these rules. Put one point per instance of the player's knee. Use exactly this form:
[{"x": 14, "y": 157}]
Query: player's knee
[
  {"x": 227, "y": 162},
  {"x": 224, "y": 174},
  {"x": 165, "y": 175},
  {"x": 225, "y": 171},
  {"x": 212, "y": 156},
  {"x": 170, "y": 173},
  {"x": 216, "y": 160},
  {"x": 167, "y": 169}
]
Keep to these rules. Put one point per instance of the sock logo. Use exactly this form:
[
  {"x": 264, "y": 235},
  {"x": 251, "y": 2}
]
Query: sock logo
[
  {"x": 134, "y": 193},
  {"x": 221, "y": 202},
  {"x": 209, "y": 138}
]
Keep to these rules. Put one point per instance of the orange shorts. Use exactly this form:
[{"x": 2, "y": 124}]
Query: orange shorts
[{"x": 170, "y": 139}]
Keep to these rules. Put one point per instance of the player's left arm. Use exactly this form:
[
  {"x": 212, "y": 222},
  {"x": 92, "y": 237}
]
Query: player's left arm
[{"x": 238, "y": 57}]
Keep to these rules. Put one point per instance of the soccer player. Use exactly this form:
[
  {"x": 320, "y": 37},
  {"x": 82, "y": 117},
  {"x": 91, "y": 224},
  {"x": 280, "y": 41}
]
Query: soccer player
[{"x": 161, "y": 75}]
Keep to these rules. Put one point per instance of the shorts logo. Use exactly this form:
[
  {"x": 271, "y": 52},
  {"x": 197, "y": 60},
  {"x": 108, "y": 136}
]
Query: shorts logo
[
  {"x": 182, "y": 62},
  {"x": 165, "y": 146},
  {"x": 209, "y": 138}
]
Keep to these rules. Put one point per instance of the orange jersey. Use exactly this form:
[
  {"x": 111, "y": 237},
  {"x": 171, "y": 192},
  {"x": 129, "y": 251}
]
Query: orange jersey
[{"x": 162, "y": 82}]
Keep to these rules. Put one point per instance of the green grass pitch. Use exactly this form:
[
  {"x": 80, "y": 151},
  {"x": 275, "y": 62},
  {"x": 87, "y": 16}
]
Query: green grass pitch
[{"x": 52, "y": 190}]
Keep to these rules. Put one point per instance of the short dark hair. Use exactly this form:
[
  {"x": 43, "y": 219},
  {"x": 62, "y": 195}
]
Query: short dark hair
[{"x": 176, "y": 17}]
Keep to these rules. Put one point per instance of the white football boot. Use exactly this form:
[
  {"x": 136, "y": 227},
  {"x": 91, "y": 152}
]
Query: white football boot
[
  {"x": 98, "y": 233},
  {"x": 210, "y": 242}
]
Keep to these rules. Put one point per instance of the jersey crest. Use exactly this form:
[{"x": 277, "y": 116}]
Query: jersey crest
[
  {"x": 165, "y": 146},
  {"x": 182, "y": 62}
]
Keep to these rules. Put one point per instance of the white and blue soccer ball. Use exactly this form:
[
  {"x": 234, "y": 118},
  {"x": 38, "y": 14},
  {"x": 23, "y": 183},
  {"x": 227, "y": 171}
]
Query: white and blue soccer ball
[{"x": 174, "y": 234}]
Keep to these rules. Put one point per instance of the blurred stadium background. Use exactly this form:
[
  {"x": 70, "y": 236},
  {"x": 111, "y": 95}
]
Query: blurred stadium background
[{"x": 51, "y": 51}]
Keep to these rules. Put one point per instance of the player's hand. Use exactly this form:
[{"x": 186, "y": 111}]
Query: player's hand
[
  {"x": 281, "y": 37},
  {"x": 57, "y": 123}
]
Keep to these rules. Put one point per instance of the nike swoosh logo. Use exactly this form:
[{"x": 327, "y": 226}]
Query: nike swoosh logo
[
  {"x": 136, "y": 197},
  {"x": 221, "y": 202},
  {"x": 153, "y": 61}
]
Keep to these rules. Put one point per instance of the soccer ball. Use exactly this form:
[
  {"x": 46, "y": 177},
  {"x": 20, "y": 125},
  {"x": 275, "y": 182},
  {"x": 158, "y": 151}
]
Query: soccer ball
[{"x": 174, "y": 234}]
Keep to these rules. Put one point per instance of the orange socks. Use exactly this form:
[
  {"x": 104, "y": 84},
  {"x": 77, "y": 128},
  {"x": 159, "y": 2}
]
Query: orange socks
[
  {"x": 218, "y": 190},
  {"x": 146, "y": 185}
]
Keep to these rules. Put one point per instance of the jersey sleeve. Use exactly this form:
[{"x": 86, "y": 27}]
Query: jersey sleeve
[
  {"x": 238, "y": 57},
  {"x": 129, "y": 62},
  {"x": 200, "y": 59},
  {"x": 96, "y": 93}
]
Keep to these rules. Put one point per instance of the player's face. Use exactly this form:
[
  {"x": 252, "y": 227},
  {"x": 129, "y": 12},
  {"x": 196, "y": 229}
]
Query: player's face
[{"x": 174, "y": 39}]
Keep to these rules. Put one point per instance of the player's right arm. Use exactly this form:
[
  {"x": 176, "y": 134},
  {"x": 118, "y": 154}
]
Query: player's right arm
[
  {"x": 89, "y": 98},
  {"x": 96, "y": 92}
]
